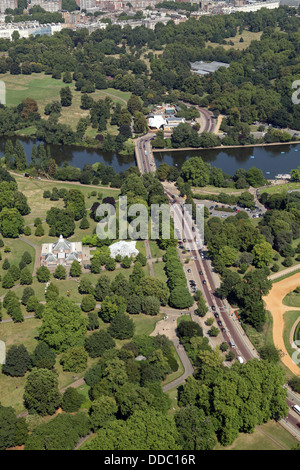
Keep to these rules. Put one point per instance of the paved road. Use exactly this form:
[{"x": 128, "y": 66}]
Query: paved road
[{"x": 233, "y": 329}]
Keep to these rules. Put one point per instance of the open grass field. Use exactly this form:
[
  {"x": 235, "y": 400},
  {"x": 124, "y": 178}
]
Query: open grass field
[
  {"x": 269, "y": 436},
  {"x": 247, "y": 36},
  {"x": 45, "y": 89},
  {"x": 292, "y": 300},
  {"x": 159, "y": 271},
  {"x": 289, "y": 319},
  {"x": 34, "y": 189},
  {"x": 277, "y": 188}
]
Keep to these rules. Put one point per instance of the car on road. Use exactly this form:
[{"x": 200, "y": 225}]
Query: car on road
[
  {"x": 223, "y": 330},
  {"x": 220, "y": 323},
  {"x": 217, "y": 315},
  {"x": 204, "y": 282},
  {"x": 213, "y": 307},
  {"x": 201, "y": 273},
  {"x": 188, "y": 270}
]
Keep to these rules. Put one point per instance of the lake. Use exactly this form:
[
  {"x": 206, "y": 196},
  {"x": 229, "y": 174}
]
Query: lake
[
  {"x": 76, "y": 156},
  {"x": 272, "y": 160}
]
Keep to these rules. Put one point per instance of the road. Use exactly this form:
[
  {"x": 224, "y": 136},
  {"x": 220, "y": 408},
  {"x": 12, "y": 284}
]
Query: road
[
  {"x": 143, "y": 154},
  {"x": 231, "y": 334},
  {"x": 232, "y": 330}
]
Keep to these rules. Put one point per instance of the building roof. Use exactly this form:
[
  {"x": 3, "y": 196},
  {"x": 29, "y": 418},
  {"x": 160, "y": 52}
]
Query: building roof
[
  {"x": 202, "y": 68},
  {"x": 61, "y": 244},
  {"x": 156, "y": 122}
]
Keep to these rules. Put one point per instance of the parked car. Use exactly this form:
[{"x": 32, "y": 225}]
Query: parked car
[
  {"x": 217, "y": 315},
  {"x": 213, "y": 307},
  {"x": 220, "y": 323},
  {"x": 204, "y": 282}
]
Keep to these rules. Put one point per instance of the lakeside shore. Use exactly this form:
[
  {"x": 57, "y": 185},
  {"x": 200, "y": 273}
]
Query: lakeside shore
[{"x": 224, "y": 147}]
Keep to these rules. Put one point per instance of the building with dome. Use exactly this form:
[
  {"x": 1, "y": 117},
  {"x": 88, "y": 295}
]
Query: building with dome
[{"x": 64, "y": 252}]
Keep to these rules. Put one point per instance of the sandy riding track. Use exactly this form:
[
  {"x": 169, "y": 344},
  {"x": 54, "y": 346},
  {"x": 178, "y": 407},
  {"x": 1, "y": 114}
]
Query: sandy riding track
[{"x": 273, "y": 303}]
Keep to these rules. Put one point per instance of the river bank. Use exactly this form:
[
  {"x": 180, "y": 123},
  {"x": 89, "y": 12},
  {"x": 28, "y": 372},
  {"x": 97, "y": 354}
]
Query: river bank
[{"x": 224, "y": 147}]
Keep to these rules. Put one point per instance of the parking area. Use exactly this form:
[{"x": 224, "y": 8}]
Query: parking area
[{"x": 215, "y": 210}]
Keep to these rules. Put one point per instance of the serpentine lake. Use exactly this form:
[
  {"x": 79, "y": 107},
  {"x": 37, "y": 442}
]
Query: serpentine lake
[{"x": 272, "y": 160}]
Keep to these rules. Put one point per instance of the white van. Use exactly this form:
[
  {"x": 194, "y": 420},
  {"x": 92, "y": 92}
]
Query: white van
[
  {"x": 296, "y": 408},
  {"x": 232, "y": 344},
  {"x": 240, "y": 359}
]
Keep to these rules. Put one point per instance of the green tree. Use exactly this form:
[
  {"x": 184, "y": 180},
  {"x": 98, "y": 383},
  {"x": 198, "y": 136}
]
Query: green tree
[
  {"x": 195, "y": 430},
  {"x": 103, "y": 410},
  {"x": 97, "y": 343},
  {"x": 43, "y": 274},
  {"x": 25, "y": 277},
  {"x": 43, "y": 356},
  {"x": 60, "y": 272},
  {"x": 66, "y": 96},
  {"x": 74, "y": 359},
  {"x": 121, "y": 327},
  {"x": 63, "y": 325},
  {"x": 88, "y": 303},
  {"x": 41, "y": 393},
  {"x": 75, "y": 269},
  {"x": 17, "y": 362},
  {"x": 72, "y": 400}
]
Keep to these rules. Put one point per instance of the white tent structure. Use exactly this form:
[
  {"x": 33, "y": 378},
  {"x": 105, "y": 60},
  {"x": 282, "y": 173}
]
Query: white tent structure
[{"x": 123, "y": 248}]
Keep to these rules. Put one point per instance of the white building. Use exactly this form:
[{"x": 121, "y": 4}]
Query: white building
[
  {"x": 123, "y": 248},
  {"x": 49, "y": 5},
  {"x": 86, "y": 4},
  {"x": 27, "y": 29},
  {"x": 4, "y": 4},
  {"x": 159, "y": 121},
  {"x": 253, "y": 6},
  {"x": 63, "y": 252}
]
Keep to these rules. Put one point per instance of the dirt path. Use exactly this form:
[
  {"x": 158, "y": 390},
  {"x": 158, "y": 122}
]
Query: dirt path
[{"x": 273, "y": 303}]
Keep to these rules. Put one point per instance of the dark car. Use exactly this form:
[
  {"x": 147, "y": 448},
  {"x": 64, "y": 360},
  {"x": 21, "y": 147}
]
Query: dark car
[
  {"x": 216, "y": 315},
  {"x": 204, "y": 282},
  {"x": 223, "y": 330},
  {"x": 201, "y": 273},
  {"x": 213, "y": 307},
  {"x": 220, "y": 323}
]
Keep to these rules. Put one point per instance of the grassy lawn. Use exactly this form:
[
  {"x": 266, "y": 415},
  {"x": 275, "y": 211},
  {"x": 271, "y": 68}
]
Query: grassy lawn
[
  {"x": 159, "y": 271},
  {"x": 156, "y": 252},
  {"x": 248, "y": 37},
  {"x": 292, "y": 300},
  {"x": 269, "y": 436},
  {"x": 261, "y": 338},
  {"x": 34, "y": 189},
  {"x": 214, "y": 190},
  {"x": 277, "y": 188},
  {"x": 45, "y": 89},
  {"x": 178, "y": 373},
  {"x": 289, "y": 319},
  {"x": 145, "y": 324},
  {"x": 12, "y": 388}
]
